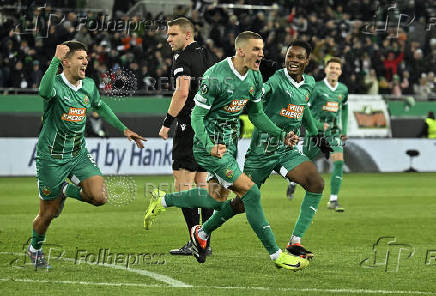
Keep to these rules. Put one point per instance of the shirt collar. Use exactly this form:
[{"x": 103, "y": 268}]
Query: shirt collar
[
  {"x": 291, "y": 80},
  {"x": 69, "y": 84},
  {"x": 192, "y": 44},
  {"x": 329, "y": 86},
  {"x": 242, "y": 78}
]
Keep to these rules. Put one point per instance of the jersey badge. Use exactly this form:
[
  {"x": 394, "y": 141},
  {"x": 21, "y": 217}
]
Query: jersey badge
[
  {"x": 251, "y": 90},
  {"x": 46, "y": 191},
  {"x": 86, "y": 100},
  {"x": 204, "y": 89},
  {"x": 229, "y": 173},
  {"x": 340, "y": 97}
]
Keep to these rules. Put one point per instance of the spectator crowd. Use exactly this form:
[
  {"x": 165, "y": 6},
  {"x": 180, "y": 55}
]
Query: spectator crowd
[{"x": 388, "y": 47}]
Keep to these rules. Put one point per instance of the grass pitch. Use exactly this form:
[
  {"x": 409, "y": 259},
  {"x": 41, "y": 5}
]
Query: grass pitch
[{"x": 384, "y": 243}]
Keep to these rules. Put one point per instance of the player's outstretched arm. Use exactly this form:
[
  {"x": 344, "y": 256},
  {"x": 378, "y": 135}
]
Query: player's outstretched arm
[
  {"x": 311, "y": 124},
  {"x": 261, "y": 120},
  {"x": 46, "y": 89},
  {"x": 344, "y": 120},
  {"x": 197, "y": 122},
  {"x": 106, "y": 113}
]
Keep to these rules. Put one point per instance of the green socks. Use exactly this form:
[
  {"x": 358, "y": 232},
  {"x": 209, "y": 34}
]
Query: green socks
[
  {"x": 37, "y": 240},
  {"x": 218, "y": 218},
  {"x": 309, "y": 206},
  {"x": 336, "y": 178},
  {"x": 73, "y": 191},
  {"x": 193, "y": 198},
  {"x": 257, "y": 220}
]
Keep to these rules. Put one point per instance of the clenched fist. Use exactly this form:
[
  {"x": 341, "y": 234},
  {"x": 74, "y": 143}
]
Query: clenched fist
[
  {"x": 218, "y": 150},
  {"x": 61, "y": 51}
]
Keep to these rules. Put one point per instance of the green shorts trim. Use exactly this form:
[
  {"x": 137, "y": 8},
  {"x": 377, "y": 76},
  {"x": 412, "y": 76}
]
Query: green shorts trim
[
  {"x": 51, "y": 173},
  {"x": 226, "y": 169},
  {"x": 311, "y": 151},
  {"x": 259, "y": 167}
]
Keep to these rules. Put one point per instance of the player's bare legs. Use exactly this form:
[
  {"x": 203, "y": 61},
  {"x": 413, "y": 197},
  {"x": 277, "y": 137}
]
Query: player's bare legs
[
  {"x": 306, "y": 174},
  {"x": 94, "y": 191},
  {"x": 336, "y": 181},
  {"x": 47, "y": 211}
]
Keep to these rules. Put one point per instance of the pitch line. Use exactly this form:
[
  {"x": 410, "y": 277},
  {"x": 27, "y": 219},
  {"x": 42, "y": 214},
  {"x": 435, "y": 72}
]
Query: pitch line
[
  {"x": 157, "y": 276},
  {"x": 299, "y": 290}
]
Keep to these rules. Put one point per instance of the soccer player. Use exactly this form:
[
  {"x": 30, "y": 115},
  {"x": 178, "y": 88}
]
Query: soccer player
[
  {"x": 286, "y": 94},
  {"x": 329, "y": 105},
  {"x": 190, "y": 61},
  {"x": 228, "y": 87},
  {"x": 61, "y": 148}
]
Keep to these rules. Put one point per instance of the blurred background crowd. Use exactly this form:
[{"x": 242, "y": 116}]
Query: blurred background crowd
[{"x": 389, "y": 47}]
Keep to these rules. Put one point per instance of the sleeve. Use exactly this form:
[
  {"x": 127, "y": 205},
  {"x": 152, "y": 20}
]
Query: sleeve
[
  {"x": 208, "y": 91},
  {"x": 106, "y": 113},
  {"x": 46, "y": 87},
  {"x": 197, "y": 123},
  {"x": 261, "y": 120},
  {"x": 181, "y": 67},
  {"x": 344, "y": 114},
  {"x": 311, "y": 124},
  {"x": 312, "y": 96},
  {"x": 267, "y": 90}
]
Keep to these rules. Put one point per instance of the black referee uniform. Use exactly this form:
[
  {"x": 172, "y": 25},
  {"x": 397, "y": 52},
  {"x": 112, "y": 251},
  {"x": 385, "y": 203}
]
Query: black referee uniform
[{"x": 193, "y": 61}]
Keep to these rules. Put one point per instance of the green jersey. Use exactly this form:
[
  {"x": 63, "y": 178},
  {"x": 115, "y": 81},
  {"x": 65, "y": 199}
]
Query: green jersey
[
  {"x": 65, "y": 107},
  {"x": 329, "y": 105},
  {"x": 285, "y": 103},
  {"x": 224, "y": 92}
]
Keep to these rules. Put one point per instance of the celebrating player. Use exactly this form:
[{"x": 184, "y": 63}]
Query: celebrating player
[
  {"x": 329, "y": 105},
  {"x": 286, "y": 94},
  {"x": 190, "y": 60},
  {"x": 226, "y": 88},
  {"x": 61, "y": 148},
  {"x": 285, "y": 97}
]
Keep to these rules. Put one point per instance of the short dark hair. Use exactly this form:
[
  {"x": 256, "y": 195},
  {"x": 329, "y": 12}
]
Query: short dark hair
[
  {"x": 301, "y": 43},
  {"x": 183, "y": 23},
  {"x": 334, "y": 60},
  {"x": 246, "y": 35},
  {"x": 74, "y": 45}
]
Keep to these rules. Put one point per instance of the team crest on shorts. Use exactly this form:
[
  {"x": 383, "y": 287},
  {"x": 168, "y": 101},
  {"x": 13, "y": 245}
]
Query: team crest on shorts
[
  {"x": 86, "y": 100},
  {"x": 46, "y": 191},
  {"x": 229, "y": 173}
]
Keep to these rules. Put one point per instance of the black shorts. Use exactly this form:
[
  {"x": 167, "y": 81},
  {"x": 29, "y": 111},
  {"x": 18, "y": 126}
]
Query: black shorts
[{"x": 183, "y": 158}]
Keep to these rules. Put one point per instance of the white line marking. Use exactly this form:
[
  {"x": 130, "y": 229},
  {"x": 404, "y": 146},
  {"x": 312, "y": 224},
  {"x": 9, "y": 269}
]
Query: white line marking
[
  {"x": 158, "y": 277},
  {"x": 347, "y": 291}
]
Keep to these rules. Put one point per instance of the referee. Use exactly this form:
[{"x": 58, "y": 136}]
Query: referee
[{"x": 190, "y": 62}]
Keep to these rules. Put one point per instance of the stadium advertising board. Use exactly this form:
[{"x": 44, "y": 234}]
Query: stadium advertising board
[
  {"x": 119, "y": 156},
  {"x": 368, "y": 116}
]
